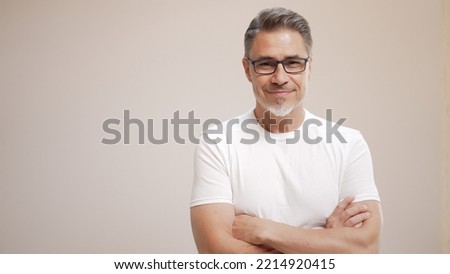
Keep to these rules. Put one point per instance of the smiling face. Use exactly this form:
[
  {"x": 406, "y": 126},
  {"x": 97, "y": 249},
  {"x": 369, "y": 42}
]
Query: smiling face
[{"x": 281, "y": 93}]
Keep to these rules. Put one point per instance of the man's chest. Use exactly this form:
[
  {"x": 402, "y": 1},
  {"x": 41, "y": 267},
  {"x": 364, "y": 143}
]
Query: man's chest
[{"x": 300, "y": 189}]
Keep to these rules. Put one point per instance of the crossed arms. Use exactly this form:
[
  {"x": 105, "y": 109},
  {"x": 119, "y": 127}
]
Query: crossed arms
[{"x": 351, "y": 228}]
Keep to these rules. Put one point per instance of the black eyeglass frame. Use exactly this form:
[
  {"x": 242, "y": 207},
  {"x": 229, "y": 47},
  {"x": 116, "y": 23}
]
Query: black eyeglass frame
[{"x": 278, "y": 62}]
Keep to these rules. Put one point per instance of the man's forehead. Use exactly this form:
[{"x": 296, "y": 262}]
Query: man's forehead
[{"x": 278, "y": 43}]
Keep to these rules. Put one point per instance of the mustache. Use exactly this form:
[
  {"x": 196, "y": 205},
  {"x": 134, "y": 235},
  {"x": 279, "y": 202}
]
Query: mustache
[{"x": 275, "y": 87}]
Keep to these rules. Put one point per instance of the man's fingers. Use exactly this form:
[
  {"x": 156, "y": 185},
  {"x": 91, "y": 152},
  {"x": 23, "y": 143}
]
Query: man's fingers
[
  {"x": 359, "y": 218},
  {"x": 355, "y": 210},
  {"x": 348, "y": 214},
  {"x": 342, "y": 206},
  {"x": 345, "y": 203},
  {"x": 336, "y": 218}
]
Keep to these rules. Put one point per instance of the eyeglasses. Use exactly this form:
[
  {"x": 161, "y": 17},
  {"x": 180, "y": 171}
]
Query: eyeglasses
[{"x": 269, "y": 66}]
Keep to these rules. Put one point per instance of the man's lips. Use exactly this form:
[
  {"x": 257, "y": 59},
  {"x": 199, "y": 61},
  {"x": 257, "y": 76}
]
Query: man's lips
[{"x": 279, "y": 92}]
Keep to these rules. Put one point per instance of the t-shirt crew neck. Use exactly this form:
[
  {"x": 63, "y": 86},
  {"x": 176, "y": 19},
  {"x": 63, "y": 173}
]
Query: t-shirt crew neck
[{"x": 280, "y": 136}]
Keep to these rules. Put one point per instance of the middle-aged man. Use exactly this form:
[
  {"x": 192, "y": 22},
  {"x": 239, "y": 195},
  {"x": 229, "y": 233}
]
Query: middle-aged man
[{"x": 280, "y": 193}]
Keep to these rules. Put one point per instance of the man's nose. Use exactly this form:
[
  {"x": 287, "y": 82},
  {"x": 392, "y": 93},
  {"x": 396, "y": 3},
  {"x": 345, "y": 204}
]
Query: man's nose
[{"x": 280, "y": 76}]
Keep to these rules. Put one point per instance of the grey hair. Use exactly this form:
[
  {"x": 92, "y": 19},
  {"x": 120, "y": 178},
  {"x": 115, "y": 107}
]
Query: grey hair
[{"x": 274, "y": 19}]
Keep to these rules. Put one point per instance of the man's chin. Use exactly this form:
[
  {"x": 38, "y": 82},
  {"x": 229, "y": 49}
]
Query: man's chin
[
  {"x": 280, "y": 112},
  {"x": 278, "y": 109}
]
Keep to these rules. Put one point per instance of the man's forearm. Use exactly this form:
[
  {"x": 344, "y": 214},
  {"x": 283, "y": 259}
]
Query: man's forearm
[
  {"x": 290, "y": 239},
  {"x": 231, "y": 245}
]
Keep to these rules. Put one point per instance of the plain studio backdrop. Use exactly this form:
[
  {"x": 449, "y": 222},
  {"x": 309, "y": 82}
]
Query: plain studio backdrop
[{"x": 67, "y": 66}]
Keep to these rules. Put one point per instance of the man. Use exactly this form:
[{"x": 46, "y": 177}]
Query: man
[{"x": 280, "y": 193}]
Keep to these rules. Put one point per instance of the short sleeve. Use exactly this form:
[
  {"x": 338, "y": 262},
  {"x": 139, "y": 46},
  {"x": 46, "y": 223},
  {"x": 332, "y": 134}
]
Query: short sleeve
[
  {"x": 358, "y": 179},
  {"x": 211, "y": 181}
]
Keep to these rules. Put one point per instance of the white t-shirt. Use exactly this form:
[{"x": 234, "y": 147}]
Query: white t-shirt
[{"x": 287, "y": 177}]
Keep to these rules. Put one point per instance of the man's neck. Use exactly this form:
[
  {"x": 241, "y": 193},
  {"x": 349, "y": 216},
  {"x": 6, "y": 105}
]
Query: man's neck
[{"x": 284, "y": 124}]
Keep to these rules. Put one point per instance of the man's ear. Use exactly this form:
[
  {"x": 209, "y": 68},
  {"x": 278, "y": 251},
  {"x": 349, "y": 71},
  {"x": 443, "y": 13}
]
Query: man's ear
[
  {"x": 310, "y": 69},
  {"x": 246, "y": 66}
]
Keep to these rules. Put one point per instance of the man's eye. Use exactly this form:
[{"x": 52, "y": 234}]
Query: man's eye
[
  {"x": 293, "y": 64},
  {"x": 266, "y": 64}
]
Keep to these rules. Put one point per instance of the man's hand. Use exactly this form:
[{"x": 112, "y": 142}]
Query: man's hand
[
  {"x": 347, "y": 214},
  {"x": 249, "y": 229}
]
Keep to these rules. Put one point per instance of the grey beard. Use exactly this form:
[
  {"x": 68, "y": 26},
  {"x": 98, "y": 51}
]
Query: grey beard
[{"x": 280, "y": 109}]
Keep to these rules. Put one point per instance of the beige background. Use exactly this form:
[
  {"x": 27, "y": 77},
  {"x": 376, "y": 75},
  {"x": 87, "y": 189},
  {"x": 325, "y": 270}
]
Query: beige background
[
  {"x": 66, "y": 66},
  {"x": 446, "y": 139}
]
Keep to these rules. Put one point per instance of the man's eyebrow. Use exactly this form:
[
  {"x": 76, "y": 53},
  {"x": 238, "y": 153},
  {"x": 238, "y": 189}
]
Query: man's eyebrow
[
  {"x": 264, "y": 57},
  {"x": 293, "y": 57}
]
